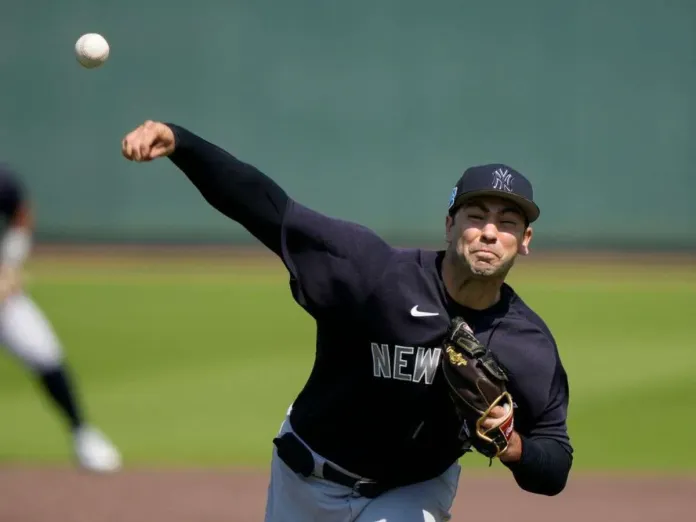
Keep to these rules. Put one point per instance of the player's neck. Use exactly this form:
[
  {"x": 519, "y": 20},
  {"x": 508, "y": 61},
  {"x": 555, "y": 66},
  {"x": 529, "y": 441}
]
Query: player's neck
[{"x": 468, "y": 290}]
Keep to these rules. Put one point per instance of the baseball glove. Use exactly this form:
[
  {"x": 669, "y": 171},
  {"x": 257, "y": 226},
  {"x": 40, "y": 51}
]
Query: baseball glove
[{"x": 477, "y": 383}]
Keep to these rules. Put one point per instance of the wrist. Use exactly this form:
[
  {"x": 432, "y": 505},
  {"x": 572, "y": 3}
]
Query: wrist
[
  {"x": 178, "y": 134},
  {"x": 513, "y": 453}
]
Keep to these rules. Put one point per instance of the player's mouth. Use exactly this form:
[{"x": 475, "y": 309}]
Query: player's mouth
[{"x": 485, "y": 254}]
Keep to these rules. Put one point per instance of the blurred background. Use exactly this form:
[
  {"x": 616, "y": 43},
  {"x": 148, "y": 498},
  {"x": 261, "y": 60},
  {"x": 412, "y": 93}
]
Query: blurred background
[{"x": 367, "y": 110}]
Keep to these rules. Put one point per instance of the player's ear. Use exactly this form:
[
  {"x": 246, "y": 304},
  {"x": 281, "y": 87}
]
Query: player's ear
[
  {"x": 523, "y": 249},
  {"x": 449, "y": 224}
]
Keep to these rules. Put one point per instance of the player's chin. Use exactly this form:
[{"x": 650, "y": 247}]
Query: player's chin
[{"x": 485, "y": 268}]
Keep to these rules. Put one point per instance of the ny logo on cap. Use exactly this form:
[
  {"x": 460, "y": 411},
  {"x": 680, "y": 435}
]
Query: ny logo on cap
[{"x": 502, "y": 179}]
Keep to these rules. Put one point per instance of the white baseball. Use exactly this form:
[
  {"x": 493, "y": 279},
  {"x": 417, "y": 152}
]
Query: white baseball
[{"x": 92, "y": 50}]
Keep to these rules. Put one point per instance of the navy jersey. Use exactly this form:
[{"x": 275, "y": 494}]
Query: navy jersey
[{"x": 375, "y": 401}]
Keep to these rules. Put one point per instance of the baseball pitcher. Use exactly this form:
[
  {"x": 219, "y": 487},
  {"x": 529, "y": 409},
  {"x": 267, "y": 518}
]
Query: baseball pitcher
[{"x": 421, "y": 355}]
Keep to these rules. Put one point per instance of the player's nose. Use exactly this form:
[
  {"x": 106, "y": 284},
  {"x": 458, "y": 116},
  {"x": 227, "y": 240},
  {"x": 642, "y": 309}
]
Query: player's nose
[{"x": 489, "y": 233}]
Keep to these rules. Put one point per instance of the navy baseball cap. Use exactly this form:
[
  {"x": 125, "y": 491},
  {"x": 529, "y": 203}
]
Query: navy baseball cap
[{"x": 495, "y": 179}]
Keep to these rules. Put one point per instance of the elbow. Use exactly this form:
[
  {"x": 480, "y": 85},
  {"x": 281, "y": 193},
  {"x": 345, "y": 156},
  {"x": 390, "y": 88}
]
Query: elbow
[
  {"x": 548, "y": 488},
  {"x": 549, "y": 480},
  {"x": 554, "y": 488},
  {"x": 220, "y": 200}
]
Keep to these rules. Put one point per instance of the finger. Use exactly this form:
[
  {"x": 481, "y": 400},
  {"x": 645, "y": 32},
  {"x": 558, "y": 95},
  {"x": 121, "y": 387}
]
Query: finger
[
  {"x": 160, "y": 149},
  {"x": 130, "y": 141},
  {"x": 144, "y": 148},
  {"x": 497, "y": 412},
  {"x": 494, "y": 417},
  {"x": 131, "y": 149},
  {"x": 127, "y": 149},
  {"x": 490, "y": 423}
]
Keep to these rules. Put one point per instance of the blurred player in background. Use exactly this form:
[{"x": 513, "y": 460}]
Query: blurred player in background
[{"x": 28, "y": 335}]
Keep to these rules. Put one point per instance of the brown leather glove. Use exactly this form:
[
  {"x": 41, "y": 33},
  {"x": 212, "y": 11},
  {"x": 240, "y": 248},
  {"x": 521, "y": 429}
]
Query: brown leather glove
[{"x": 477, "y": 383}]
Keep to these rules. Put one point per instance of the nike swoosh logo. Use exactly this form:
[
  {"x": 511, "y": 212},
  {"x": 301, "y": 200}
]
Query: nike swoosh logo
[{"x": 417, "y": 313}]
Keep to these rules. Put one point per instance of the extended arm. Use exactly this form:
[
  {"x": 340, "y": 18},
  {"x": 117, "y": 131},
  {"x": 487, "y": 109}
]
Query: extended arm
[
  {"x": 333, "y": 263},
  {"x": 236, "y": 189}
]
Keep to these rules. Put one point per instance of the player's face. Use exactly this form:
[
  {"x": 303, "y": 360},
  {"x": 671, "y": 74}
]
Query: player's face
[{"x": 487, "y": 234}]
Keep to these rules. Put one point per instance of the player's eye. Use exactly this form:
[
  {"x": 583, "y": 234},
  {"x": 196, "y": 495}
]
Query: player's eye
[
  {"x": 475, "y": 217},
  {"x": 508, "y": 222}
]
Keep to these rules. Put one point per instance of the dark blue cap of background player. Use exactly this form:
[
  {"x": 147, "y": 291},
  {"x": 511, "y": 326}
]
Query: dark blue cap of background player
[{"x": 495, "y": 179}]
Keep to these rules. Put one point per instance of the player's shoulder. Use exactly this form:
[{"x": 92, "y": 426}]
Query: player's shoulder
[
  {"x": 523, "y": 321},
  {"x": 409, "y": 272},
  {"x": 416, "y": 264},
  {"x": 332, "y": 231},
  {"x": 524, "y": 343},
  {"x": 418, "y": 257}
]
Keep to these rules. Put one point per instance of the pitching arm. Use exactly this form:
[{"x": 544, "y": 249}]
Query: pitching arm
[
  {"x": 333, "y": 263},
  {"x": 236, "y": 189}
]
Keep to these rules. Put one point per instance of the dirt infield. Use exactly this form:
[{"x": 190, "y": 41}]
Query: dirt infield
[{"x": 60, "y": 495}]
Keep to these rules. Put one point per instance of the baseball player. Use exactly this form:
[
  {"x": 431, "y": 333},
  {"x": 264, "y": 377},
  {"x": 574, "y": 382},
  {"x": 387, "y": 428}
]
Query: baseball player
[
  {"x": 27, "y": 334},
  {"x": 375, "y": 435}
]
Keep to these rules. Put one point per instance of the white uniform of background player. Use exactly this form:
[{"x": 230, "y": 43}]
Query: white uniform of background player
[{"x": 28, "y": 336}]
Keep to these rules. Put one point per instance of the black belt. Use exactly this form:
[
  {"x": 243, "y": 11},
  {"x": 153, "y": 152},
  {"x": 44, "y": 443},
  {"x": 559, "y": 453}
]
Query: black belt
[{"x": 300, "y": 459}]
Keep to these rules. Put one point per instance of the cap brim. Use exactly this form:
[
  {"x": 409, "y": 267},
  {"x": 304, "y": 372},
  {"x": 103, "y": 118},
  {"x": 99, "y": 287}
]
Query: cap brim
[{"x": 530, "y": 208}]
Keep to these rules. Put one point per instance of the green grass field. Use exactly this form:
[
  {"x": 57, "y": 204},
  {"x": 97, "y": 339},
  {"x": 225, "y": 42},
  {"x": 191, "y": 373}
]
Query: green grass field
[{"x": 195, "y": 362}]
